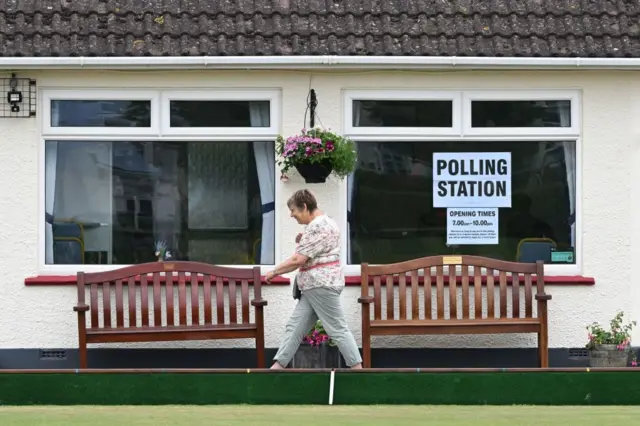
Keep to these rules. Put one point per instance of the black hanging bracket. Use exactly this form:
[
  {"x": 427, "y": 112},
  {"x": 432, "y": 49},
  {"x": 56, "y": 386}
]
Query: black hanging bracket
[{"x": 313, "y": 103}]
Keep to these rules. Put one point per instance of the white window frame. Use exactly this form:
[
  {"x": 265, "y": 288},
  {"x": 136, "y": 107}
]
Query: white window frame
[
  {"x": 158, "y": 99},
  {"x": 467, "y": 134},
  {"x": 225, "y": 133},
  {"x": 98, "y": 95},
  {"x": 364, "y": 133},
  {"x": 517, "y": 95}
]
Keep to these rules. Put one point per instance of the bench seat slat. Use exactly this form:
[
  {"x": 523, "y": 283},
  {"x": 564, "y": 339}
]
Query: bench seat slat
[
  {"x": 488, "y": 326},
  {"x": 455, "y": 322},
  {"x": 162, "y": 334},
  {"x": 165, "y": 329}
]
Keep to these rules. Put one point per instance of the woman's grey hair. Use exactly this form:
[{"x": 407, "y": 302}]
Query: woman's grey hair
[{"x": 303, "y": 198}]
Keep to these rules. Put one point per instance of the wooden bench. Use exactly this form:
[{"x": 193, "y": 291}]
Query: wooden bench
[
  {"x": 189, "y": 300},
  {"x": 436, "y": 311}
]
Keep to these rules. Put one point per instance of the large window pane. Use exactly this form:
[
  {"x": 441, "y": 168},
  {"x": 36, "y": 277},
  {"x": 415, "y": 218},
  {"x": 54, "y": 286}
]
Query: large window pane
[
  {"x": 111, "y": 202},
  {"x": 521, "y": 113},
  {"x": 391, "y": 217},
  {"x": 380, "y": 113},
  {"x": 219, "y": 114},
  {"x": 100, "y": 113}
]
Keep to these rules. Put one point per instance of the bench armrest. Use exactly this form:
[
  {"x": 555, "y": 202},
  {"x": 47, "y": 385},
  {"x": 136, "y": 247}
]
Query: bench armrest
[
  {"x": 81, "y": 308},
  {"x": 365, "y": 300},
  {"x": 259, "y": 302},
  {"x": 543, "y": 296}
]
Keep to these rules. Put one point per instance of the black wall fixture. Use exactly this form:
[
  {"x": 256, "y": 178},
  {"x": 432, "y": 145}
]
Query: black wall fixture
[
  {"x": 17, "y": 97},
  {"x": 313, "y": 103}
]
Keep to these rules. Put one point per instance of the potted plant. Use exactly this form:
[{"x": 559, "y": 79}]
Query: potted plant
[
  {"x": 162, "y": 253},
  {"x": 611, "y": 348},
  {"x": 317, "y": 350},
  {"x": 316, "y": 153}
]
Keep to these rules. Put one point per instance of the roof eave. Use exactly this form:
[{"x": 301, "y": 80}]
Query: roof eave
[{"x": 314, "y": 62}]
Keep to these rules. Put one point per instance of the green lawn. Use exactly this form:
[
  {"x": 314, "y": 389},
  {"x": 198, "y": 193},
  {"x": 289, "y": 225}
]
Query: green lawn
[{"x": 319, "y": 415}]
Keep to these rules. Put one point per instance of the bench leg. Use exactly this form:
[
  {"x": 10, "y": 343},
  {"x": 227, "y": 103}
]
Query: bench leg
[
  {"x": 260, "y": 351},
  {"x": 543, "y": 348},
  {"x": 260, "y": 338},
  {"x": 366, "y": 349},
  {"x": 82, "y": 339},
  {"x": 83, "y": 352}
]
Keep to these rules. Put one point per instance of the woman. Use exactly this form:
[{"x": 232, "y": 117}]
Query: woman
[{"x": 320, "y": 281}]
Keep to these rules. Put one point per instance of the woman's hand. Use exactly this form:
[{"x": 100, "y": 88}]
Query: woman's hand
[
  {"x": 269, "y": 276},
  {"x": 298, "y": 237}
]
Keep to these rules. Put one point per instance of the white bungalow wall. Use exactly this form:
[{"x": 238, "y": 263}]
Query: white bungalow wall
[{"x": 42, "y": 317}]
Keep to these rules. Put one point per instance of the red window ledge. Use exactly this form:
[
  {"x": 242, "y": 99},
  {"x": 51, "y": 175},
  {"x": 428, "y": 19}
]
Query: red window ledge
[
  {"x": 572, "y": 280},
  {"x": 67, "y": 280}
]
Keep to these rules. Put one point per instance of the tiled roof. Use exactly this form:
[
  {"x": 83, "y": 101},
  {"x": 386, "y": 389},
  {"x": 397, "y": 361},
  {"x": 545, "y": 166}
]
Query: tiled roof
[{"x": 524, "y": 28}]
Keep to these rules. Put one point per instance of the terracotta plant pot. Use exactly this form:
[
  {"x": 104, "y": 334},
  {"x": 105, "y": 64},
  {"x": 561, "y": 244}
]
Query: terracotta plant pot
[
  {"x": 315, "y": 172},
  {"x": 323, "y": 356},
  {"x": 608, "y": 356}
]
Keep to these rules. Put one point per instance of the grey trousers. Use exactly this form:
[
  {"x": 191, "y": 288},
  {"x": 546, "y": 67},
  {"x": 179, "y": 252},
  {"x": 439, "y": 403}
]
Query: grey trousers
[{"x": 324, "y": 304}]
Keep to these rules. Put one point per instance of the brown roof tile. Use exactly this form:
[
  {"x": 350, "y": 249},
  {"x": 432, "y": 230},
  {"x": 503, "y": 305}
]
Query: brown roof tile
[{"x": 524, "y": 28}]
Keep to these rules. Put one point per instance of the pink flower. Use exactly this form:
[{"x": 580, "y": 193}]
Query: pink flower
[
  {"x": 330, "y": 146},
  {"x": 634, "y": 363}
]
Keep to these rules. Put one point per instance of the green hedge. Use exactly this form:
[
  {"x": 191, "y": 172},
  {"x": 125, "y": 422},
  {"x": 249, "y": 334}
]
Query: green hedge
[{"x": 494, "y": 388}]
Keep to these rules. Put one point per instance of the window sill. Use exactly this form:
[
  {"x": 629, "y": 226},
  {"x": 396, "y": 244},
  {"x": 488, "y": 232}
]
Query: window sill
[
  {"x": 70, "y": 280},
  {"x": 569, "y": 280}
]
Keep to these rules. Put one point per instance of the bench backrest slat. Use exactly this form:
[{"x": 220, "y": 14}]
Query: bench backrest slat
[
  {"x": 195, "y": 300},
  {"x": 440, "y": 291},
  {"x": 220, "y": 299},
  {"x": 403, "y": 297},
  {"x": 208, "y": 316},
  {"x": 453, "y": 296},
  {"x": 515, "y": 295},
  {"x": 182, "y": 298},
  {"x": 390, "y": 293},
  {"x": 477, "y": 292},
  {"x": 503, "y": 294},
  {"x": 94, "y": 305},
  {"x": 157, "y": 301},
  {"x": 377, "y": 293},
  {"x": 491, "y": 289},
  {"x": 131, "y": 287},
  {"x": 427, "y": 295},
  {"x": 106, "y": 302},
  {"x": 528, "y": 299},
  {"x": 465, "y": 292},
  {"x": 144, "y": 300},
  {"x": 119, "y": 304},
  {"x": 154, "y": 294},
  {"x": 169, "y": 280},
  {"x": 415, "y": 291},
  {"x": 233, "y": 312},
  {"x": 245, "y": 302},
  {"x": 459, "y": 301}
]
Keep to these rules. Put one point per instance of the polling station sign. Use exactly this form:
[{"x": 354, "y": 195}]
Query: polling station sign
[{"x": 471, "y": 179}]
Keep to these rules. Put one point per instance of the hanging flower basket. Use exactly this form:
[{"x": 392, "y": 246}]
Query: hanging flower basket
[
  {"x": 316, "y": 154},
  {"x": 314, "y": 172}
]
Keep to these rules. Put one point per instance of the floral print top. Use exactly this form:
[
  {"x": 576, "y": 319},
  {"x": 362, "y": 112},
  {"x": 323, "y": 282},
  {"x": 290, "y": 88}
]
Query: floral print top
[{"x": 320, "y": 242}]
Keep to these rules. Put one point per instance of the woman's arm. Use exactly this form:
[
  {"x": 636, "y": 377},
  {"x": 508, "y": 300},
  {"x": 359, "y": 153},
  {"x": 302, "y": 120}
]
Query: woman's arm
[{"x": 289, "y": 265}]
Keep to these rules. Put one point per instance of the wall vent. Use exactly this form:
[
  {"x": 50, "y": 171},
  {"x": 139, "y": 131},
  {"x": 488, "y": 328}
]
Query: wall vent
[
  {"x": 578, "y": 353},
  {"x": 53, "y": 354}
]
